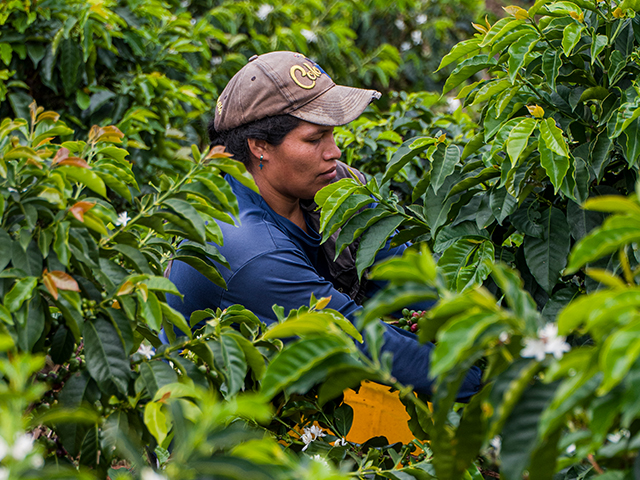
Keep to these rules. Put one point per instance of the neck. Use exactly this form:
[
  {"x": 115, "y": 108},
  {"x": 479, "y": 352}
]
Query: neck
[{"x": 284, "y": 206}]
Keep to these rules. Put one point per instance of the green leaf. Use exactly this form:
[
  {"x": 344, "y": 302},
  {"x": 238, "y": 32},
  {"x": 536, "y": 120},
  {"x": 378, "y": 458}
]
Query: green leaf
[
  {"x": 632, "y": 133},
  {"x": 488, "y": 91},
  {"x": 555, "y": 165},
  {"x": 460, "y": 50},
  {"x": 553, "y": 137},
  {"x": 466, "y": 69},
  {"x": 175, "y": 318},
  {"x": 551, "y": 63},
  {"x": 150, "y": 310},
  {"x": 444, "y": 164},
  {"x": 161, "y": 284},
  {"x": 546, "y": 257},
  {"x": 404, "y": 154},
  {"x": 615, "y": 233},
  {"x": 156, "y": 421},
  {"x": 60, "y": 243},
  {"x": 502, "y": 203},
  {"x": 303, "y": 325},
  {"x": 232, "y": 363},
  {"x": 454, "y": 259},
  {"x": 187, "y": 212},
  {"x": 336, "y": 199},
  {"x": 348, "y": 208},
  {"x": 297, "y": 358},
  {"x": 571, "y": 35},
  {"x": 155, "y": 375},
  {"x": 456, "y": 338},
  {"x": 519, "y": 137},
  {"x": 135, "y": 256},
  {"x": 105, "y": 355},
  {"x": 358, "y": 224},
  {"x": 21, "y": 291},
  {"x": 520, "y": 433},
  {"x": 6, "y": 245},
  {"x": 619, "y": 353},
  {"x": 252, "y": 355},
  {"x": 518, "y": 53},
  {"x": 627, "y": 113},
  {"x": 84, "y": 176},
  {"x": 204, "y": 266},
  {"x": 373, "y": 240},
  {"x": 597, "y": 45},
  {"x": 69, "y": 61},
  {"x": 393, "y": 298}
]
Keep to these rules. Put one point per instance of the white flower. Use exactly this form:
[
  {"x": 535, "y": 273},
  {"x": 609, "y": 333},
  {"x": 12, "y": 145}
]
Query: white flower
[
  {"x": 496, "y": 443},
  {"x": 504, "y": 337},
  {"x": 264, "y": 11},
  {"x": 548, "y": 341},
  {"x": 309, "y": 35},
  {"x": 453, "y": 104},
  {"x": 421, "y": 19},
  {"x": 399, "y": 24},
  {"x": 123, "y": 219},
  {"x": 215, "y": 61},
  {"x": 4, "y": 473},
  {"x": 571, "y": 448},
  {"x": 416, "y": 37},
  {"x": 614, "y": 437},
  {"x": 145, "y": 350},
  {"x": 4, "y": 448},
  {"x": 148, "y": 474},
  {"x": 192, "y": 21},
  {"x": 37, "y": 461},
  {"x": 319, "y": 459},
  {"x": 341, "y": 442},
  {"x": 311, "y": 434},
  {"x": 405, "y": 46},
  {"x": 22, "y": 447}
]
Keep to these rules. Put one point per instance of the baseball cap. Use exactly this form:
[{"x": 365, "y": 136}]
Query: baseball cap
[{"x": 279, "y": 83}]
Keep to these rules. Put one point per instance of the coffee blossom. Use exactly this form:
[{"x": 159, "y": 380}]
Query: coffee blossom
[
  {"x": 311, "y": 434},
  {"x": 548, "y": 341},
  {"x": 123, "y": 219},
  {"x": 264, "y": 11},
  {"x": 309, "y": 35}
]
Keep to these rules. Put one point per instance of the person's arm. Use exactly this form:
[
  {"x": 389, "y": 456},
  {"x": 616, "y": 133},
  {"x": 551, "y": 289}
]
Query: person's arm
[{"x": 287, "y": 279}]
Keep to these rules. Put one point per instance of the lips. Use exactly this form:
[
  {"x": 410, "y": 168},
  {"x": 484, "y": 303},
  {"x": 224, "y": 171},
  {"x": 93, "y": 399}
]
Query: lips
[{"x": 329, "y": 174}]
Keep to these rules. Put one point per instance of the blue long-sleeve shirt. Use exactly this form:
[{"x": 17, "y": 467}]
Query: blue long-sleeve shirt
[{"x": 273, "y": 261}]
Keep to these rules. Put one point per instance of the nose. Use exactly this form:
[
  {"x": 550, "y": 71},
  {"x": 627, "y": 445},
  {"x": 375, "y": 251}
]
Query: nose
[{"x": 332, "y": 152}]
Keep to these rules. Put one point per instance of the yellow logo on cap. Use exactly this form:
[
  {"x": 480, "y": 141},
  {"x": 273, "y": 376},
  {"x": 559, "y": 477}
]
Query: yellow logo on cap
[
  {"x": 312, "y": 73},
  {"x": 219, "y": 106}
]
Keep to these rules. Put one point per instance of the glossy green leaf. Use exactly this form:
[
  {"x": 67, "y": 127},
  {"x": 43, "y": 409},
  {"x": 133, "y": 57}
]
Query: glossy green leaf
[
  {"x": 615, "y": 233},
  {"x": 460, "y": 50},
  {"x": 546, "y": 257},
  {"x": 186, "y": 211},
  {"x": 105, "y": 355},
  {"x": 618, "y": 354},
  {"x": 155, "y": 375},
  {"x": 571, "y": 36},
  {"x": 175, "y": 318},
  {"x": 407, "y": 151},
  {"x": 502, "y": 204},
  {"x": 336, "y": 199},
  {"x": 518, "y": 53},
  {"x": 443, "y": 165},
  {"x": 156, "y": 421},
  {"x": 205, "y": 266},
  {"x": 135, "y": 256},
  {"x": 466, "y": 69},
  {"x": 553, "y": 138},
  {"x": 374, "y": 239},
  {"x": 296, "y": 359},
  {"x": 519, "y": 137},
  {"x": 150, "y": 310},
  {"x": 20, "y": 291},
  {"x": 232, "y": 363},
  {"x": 84, "y": 176},
  {"x": 551, "y": 63},
  {"x": 555, "y": 165}
]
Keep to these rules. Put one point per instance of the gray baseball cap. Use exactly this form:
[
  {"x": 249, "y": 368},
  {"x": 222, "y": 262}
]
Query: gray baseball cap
[{"x": 279, "y": 83}]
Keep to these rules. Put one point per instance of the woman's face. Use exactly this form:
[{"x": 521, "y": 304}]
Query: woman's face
[{"x": 303, "y": 163}]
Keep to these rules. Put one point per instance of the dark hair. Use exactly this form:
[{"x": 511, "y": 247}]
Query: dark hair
[{"x": 271, "y": 129}]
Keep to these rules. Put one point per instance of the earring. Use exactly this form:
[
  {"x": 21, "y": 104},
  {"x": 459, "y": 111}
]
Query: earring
[{"x": 261, "y": 157}]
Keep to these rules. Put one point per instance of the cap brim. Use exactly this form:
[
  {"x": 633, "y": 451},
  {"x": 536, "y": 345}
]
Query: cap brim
[{"x": 339, "y": 105}]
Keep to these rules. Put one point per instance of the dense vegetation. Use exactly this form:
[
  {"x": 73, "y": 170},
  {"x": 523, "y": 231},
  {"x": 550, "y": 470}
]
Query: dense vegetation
[{"x": 524, "y": 213}]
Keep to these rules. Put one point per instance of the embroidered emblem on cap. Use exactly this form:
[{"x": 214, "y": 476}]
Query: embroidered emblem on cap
[
  {"x": 298, "y": 73},
  {"x": 219, "y": 106}
]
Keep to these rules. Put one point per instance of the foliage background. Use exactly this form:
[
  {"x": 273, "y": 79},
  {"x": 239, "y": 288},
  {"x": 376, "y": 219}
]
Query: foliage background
[{"x": 91, "y": 215}]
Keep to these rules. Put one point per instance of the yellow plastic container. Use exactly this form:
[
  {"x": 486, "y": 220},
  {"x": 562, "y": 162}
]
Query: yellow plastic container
[{"x": 377, "y": 412}]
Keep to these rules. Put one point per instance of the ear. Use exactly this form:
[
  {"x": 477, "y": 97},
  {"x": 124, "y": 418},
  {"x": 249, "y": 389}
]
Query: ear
[{"x": 257, "y": 147}]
